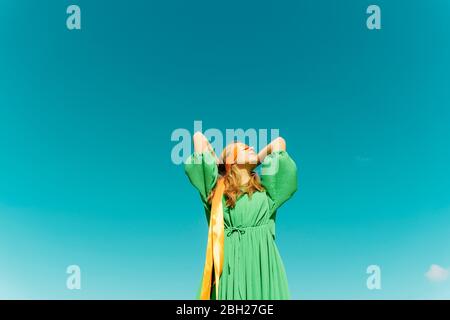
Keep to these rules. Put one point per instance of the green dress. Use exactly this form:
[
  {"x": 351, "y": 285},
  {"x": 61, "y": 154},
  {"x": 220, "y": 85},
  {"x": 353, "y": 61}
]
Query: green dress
[{"x": 252, "y": 269}]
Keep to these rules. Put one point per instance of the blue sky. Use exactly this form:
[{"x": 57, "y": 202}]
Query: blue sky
[{"x": 86, "y": 118}]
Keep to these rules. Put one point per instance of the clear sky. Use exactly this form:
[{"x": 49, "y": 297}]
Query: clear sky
[{"x": 86, "y": 117}]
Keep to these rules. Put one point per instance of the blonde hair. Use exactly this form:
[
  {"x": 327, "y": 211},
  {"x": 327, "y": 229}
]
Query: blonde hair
[{"x": 232, "y": 180}]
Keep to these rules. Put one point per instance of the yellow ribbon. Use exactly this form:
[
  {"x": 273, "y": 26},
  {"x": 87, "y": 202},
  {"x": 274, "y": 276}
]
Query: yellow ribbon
[{"x": 215, "y": 247}]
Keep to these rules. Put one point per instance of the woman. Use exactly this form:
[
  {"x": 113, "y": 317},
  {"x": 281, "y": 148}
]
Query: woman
[{"x": 242, "y": 259}]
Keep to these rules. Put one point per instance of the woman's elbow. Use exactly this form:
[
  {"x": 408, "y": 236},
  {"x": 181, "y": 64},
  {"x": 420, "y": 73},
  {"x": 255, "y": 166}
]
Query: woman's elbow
[
  {"x": 199, "y": 143},
  {"x": 279, "y": 144}
]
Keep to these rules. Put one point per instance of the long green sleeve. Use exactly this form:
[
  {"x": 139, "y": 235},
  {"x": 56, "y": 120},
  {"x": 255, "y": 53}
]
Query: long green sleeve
[
  {"x": 279, "y": 177},
  {"x": 202, "y": 171}
]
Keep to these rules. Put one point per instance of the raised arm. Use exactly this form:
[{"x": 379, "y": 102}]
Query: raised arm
[
  {"x": 201, "y": 168},
  {"x": 276, "y": 145},
  {"x": 278, "y": 172},
  {"x": 201, "y": 144}
]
